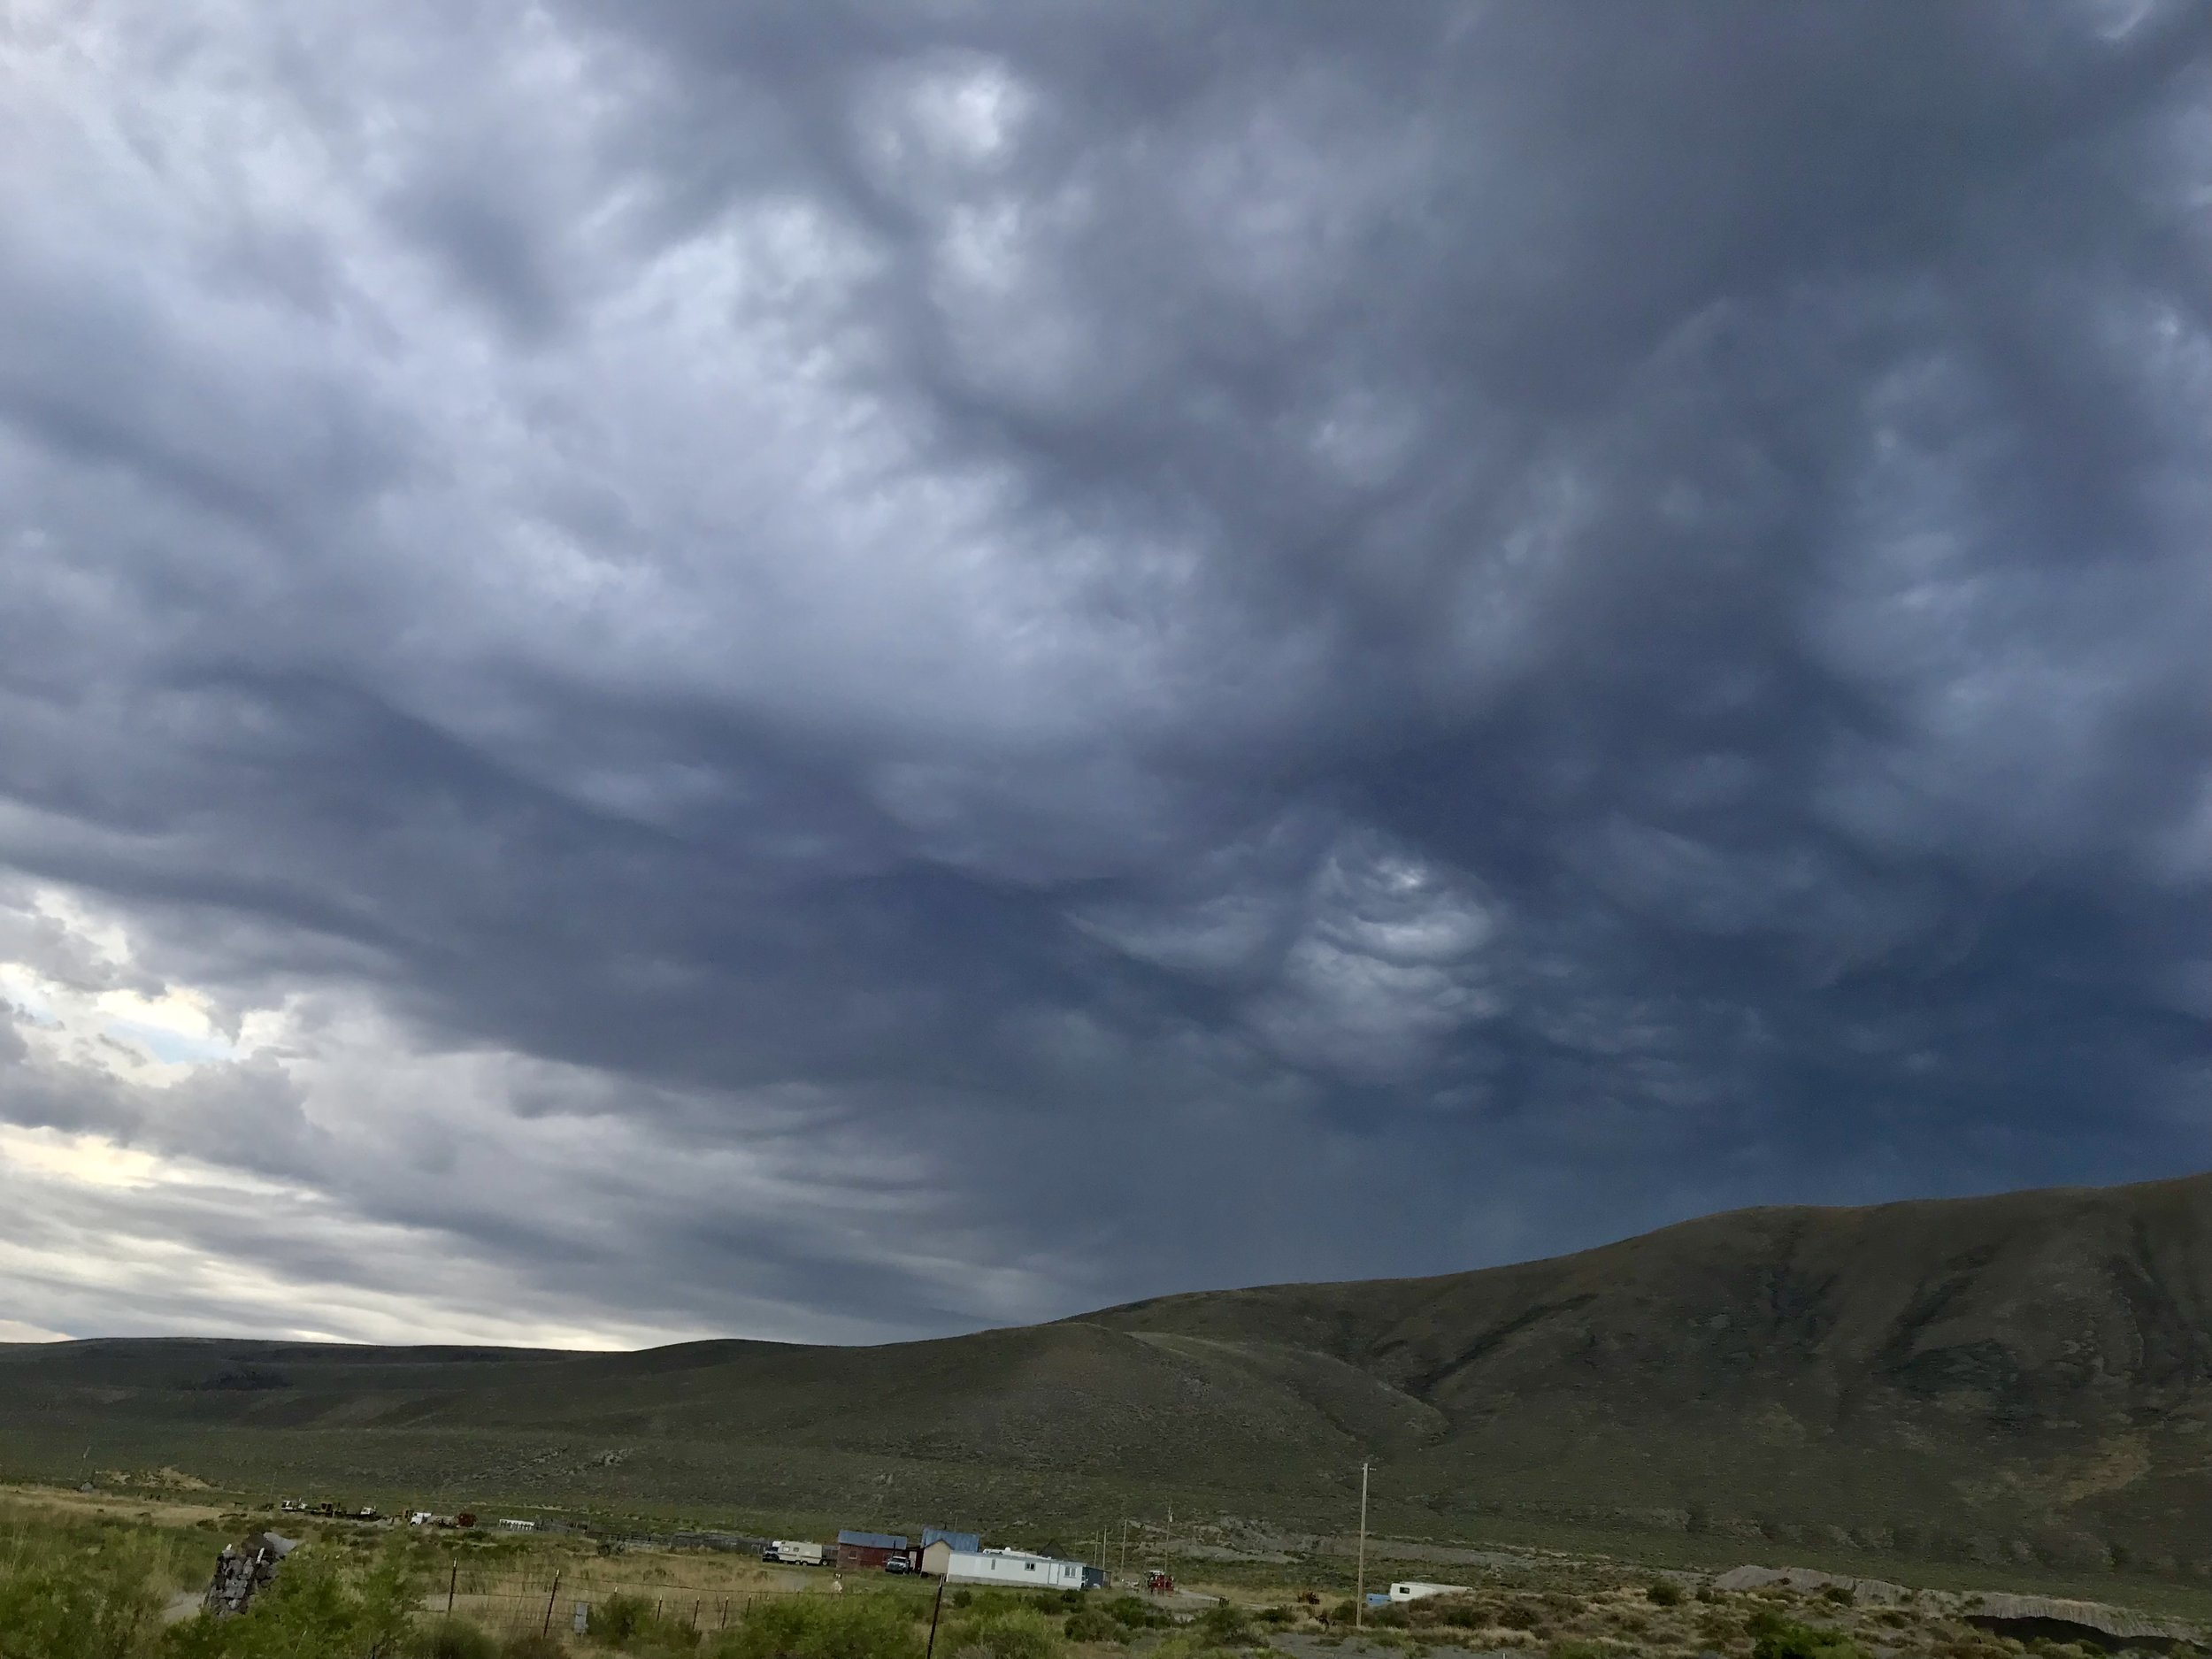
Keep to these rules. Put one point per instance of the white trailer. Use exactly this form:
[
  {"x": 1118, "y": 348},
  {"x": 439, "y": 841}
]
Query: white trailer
[
  {"x": 793, "y": 1553},
  {"x": 1415, "y": 1590},
  {"x": 1012, "y": 1567}
]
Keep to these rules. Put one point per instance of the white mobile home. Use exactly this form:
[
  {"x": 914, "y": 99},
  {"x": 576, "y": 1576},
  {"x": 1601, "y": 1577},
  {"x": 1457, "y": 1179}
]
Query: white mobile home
[
  {"x": 1012, "y": 1567},
  {"x": 1415, "y": 1590}
]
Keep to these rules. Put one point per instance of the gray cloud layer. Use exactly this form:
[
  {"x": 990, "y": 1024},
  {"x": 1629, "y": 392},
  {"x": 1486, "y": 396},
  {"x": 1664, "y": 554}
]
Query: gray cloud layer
[{"x": 944, "y": 662}]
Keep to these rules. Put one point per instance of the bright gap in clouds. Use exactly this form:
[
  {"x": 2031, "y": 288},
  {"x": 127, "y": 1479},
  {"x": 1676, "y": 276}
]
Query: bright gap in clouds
[
  {"x": 213, "y": 1166},
  {"x": 198, "y": 1192}
]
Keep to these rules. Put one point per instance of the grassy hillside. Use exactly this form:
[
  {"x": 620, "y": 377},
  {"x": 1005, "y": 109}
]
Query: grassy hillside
[{"x": 2022, "y": 1380}]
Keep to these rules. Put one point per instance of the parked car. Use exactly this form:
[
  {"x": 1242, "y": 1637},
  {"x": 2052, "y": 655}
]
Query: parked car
[{"x": 897, "y": 1564}]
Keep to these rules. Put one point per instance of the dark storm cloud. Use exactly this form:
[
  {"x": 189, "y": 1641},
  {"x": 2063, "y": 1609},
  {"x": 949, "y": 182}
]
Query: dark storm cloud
[{"x": 943, "y": 663}]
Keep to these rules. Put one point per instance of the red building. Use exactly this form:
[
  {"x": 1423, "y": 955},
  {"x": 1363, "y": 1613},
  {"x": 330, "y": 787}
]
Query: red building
[{"x": 866, "y": 1552}]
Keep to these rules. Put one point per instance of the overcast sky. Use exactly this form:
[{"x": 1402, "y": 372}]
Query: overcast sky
[{"x": 840, "y": 670}]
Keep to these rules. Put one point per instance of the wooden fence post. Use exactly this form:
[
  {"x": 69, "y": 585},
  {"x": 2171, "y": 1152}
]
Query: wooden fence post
[
  {"x": 547, "y": 1629},
  {"x": 450, "y": 1584}
]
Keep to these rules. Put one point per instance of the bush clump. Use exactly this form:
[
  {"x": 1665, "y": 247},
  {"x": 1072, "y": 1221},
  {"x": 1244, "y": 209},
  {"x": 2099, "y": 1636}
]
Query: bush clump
[
  {"x": 1775, "y": 1637},
  {"x": 453, "y": 1638},
  {"x": 1461, "y": 1612},
  {"x": 91, "y": 1609},
  {"x": 1663, "y": 1592},
  {"x": 1094, "y": 1624},
  {"x": 1225, "y": 1624},
  {"x": 1134, "y": 1613},
  {"x": 630, "y": 1623},
  {"x": 313, "y": 1606},
  {"x": 1020, "y": 1632},
  {"x": 822, "y": 1627}
]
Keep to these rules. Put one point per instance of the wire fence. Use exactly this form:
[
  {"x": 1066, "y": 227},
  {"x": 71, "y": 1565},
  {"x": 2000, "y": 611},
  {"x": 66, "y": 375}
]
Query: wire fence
[{"x": 509, "y": 1605}]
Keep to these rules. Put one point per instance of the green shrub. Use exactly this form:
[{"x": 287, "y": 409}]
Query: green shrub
[
  {"x": 1093, "y": 1623},
  {"x": 1775, "y": 1637},
  {"x": 824, "y": 1627},
  {"x": 995, "y": 1600},
  {"x": 453, "y": 1638},
  {"x": 313, "y": 1606},
  {"x": 1013, "y": 1633},
  {"x": 630, "y": 1623},
  {"x": 1664, "y": 1593},
  {"x": 532, "y": 1645},
  {"x": 1135, "y": 1613},
  {"x": 77, "y": 1587},
  {"x": 102, "y": 1609},
  {"x": 1223, "y": 1626},
  {"x": 620, "y": 1617}
]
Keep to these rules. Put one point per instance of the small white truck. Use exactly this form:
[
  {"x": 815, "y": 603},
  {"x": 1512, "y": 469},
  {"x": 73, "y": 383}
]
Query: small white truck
[{"x": 793, "y": 1554}]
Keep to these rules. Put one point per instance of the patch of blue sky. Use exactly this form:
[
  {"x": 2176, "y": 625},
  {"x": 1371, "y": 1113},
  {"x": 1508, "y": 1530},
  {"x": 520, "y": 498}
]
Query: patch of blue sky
[{"x": 171, "y": 1047}]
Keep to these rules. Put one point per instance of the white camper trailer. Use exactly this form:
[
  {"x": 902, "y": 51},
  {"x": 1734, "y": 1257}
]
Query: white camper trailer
[{"x": 1012, "y": 1567}]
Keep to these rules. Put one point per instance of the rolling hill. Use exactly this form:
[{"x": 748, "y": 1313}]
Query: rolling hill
[{"x": 2018, "y": 1379}]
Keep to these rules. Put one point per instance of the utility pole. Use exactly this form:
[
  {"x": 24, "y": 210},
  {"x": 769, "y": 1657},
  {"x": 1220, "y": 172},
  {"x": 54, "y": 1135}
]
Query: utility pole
[{"x": 1359, "y": 1593}]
